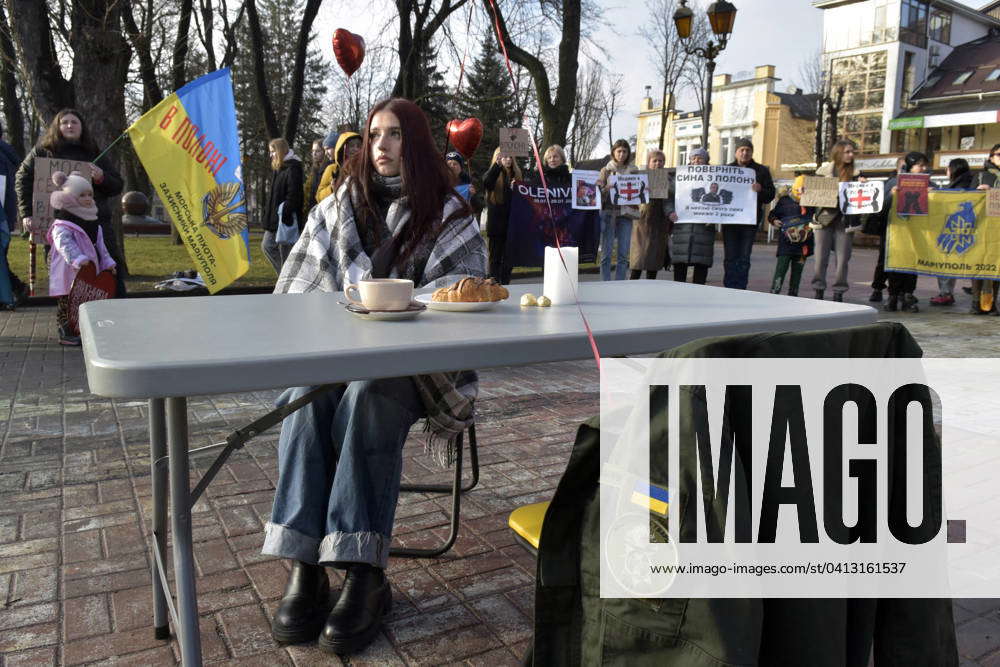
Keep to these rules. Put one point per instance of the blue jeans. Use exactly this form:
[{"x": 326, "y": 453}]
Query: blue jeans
[
  {"x": 615, "y": 228},
  {"x": 339, "y": 467},
  {"x": 737, "y": 241}
]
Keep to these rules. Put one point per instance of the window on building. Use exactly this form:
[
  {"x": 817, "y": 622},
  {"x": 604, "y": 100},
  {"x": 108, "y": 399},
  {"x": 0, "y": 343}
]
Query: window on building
[
  {"x": 725, "y": 150},
  {"x": 682, "y": 154},
  {"x": 863, "y": 79},
  {"x": 933, "y": 140},
  {"x": 940, "y": 27},
  {"x": 994, "y": 75},
  {"x": 966, "y": 137},
  {"x": 963, "y": 77},
  {"x": 913, "y": 22}
]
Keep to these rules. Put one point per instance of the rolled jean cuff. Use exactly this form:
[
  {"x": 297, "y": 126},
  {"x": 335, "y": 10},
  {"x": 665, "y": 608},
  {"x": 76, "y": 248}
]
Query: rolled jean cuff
[
  {"x": 362, "y": 547},
  {"x": 287, "y": 542}
]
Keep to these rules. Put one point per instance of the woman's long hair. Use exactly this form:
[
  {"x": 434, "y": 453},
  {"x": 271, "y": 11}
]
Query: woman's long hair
[
  {"x": 280, "y": 148},
  {"x": 844, "y": 171},
  {"x": 960, "y": 177},
  {"x": 426, "y": 178},
  {"x": 507, "y": 176},
  {"x": 52, "y": 140},
  {"x": 988, "y": 163}
]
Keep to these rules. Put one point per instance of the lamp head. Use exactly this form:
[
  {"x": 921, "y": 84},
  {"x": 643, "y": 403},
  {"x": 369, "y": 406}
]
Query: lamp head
[
  {"x": 722, "y": 16},
  {"x": 683, "y": 19}
]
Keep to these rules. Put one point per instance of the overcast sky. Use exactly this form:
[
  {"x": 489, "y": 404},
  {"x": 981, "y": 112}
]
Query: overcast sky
[{"x": 783, "y": 33}]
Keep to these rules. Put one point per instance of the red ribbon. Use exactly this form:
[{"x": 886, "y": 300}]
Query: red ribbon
[{"x": 545, "y": 188}]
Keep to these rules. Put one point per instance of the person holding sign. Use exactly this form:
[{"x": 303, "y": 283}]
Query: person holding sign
[
  {"x": 67, "y": 137},
  {"x": 616, "y": 221},
  {"x": 396, "y": 215},
  {"x": 902, "y": 285},
  {"x": 502, "y": 173},
  {"x": 692, "y": 243},
  {"x": 959, "y": 178},
  {"x": 649, "y": 250},
  {"x": 78, "y": 240},
  {"x": 989, "y": 178},
  {"x": 738, "y": 239},
  {"x": 832, "y": 230}
]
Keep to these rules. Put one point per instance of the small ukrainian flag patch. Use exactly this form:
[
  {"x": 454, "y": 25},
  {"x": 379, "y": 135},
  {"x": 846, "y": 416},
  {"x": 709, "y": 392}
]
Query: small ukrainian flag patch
[{"x": 654, "y": 498}]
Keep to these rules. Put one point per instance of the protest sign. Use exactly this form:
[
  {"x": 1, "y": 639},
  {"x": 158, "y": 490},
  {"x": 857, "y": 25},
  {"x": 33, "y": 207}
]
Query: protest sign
[
  {"x": 586, "y": 194},
  {"x": 716, "y": 194},
  {"x": 43, "y": 187},
  {"x": 531, "y": 228},
  {"x": 820, "y": 191},
  {"x": 659, "y": 182},
  {"x": 911, "y": 193},
  {"x": 858, "y": 198},
  {"x": 628, "y": 189},
  {"x": 956, "y": 239},
  {"x": 515, "y": 142}
]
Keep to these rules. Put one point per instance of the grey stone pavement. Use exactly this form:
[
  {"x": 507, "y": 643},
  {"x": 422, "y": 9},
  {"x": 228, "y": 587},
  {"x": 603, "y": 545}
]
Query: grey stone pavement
[{"x": 75, "y": 508}]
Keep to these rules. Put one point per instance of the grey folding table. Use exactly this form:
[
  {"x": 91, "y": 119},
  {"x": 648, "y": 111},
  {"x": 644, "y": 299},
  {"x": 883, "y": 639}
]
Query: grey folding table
[{"x": 167, "y": 349}]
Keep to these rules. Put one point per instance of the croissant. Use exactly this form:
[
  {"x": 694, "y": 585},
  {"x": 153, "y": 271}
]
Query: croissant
[{"x": 471, "y": 289}]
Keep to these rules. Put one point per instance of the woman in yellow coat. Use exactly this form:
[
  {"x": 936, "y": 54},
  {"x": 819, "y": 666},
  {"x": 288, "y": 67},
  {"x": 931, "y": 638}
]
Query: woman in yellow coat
[{"x": 348, "y": 143}]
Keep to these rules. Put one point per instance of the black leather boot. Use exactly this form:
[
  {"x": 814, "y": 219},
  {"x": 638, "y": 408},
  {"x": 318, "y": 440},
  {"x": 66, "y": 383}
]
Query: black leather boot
[
  {"x": 355, "y": 619},
  {"x": 892, "y": 304},
  {"x": 838, "y": 296},
  {"x": 819, "y": 294},
  {"x": 300, "y": 615}
]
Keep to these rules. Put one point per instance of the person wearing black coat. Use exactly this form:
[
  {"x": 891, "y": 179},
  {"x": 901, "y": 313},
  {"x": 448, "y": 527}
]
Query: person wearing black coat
[
  {"x": 738, "y": 239},
  {"x": 497, "y": 182},
  {"x": 68, "y": 138},
  {"x": 9, "y": 162},
  {"x": 284, "y": 202}
]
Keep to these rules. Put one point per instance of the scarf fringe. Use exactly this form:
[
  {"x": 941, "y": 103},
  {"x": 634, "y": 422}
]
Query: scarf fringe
[{"x": 440, "y": 445}]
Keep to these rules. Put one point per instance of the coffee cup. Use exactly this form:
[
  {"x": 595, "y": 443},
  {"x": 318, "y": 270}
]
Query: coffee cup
[{"x": 381, "y": 293}]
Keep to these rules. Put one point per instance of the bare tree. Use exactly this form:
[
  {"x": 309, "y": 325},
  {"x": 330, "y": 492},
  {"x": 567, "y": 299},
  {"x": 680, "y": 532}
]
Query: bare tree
[
  {"x": 585, "y": 131},
  {"x": 417, "y": 27},
  {"x": 812, "y": 78},
  {"x": 555, "y": 112},
  {"x": 13, "y": 117},
  {"x": 668, "y": 54},
  {"x": 612, "y": 99},
  {"x": 298, "y": 70}
]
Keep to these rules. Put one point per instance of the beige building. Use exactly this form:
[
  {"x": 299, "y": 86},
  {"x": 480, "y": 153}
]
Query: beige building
[{"x": 781, "y": 125}]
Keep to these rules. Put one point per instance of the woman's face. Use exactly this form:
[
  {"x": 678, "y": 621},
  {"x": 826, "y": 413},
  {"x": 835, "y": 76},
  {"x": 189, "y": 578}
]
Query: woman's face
[
  {"x": 848, "y": 155},
  {"x": 386, "y": 139},
  {"x": 352, "y": 148},
  {"x": 620, "y": 154},
  {"x": 554, "y": 159},
  {"x": 506, "y": 161},
  {"x": 317, "y": 151},
  {"x": 455, "y": 167},
  {"x": 920, "y": 168},
  {"x": 656, "y": 162},
  {"x": 696, "y": 159},
  {"x": 995, "y": 157},
  {"x": 70, "y": 127}
]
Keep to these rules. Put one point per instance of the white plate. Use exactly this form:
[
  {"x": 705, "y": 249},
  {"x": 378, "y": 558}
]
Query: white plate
[{"x": 456, "y": 306}]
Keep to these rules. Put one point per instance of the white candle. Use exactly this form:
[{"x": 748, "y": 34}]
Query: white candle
[{"x": 560, "y": 282}]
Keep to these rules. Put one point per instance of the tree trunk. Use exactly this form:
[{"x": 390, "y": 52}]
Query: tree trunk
[
  {"x": 178, "y": 70},
  {"x": 48, "y": 89},
  {"x": 13, "y": 118},
  {"x": 259, "y": 73},
  {"x": 299, "y": 73},
  {"x": 100, "y": 70},
  {"x": 152, "y": 92}
]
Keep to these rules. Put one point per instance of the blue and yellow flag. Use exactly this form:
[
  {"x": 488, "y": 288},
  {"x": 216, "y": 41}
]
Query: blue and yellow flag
[
  {"x": 957, "y": 238},
  {"x": 655, "y": 498},
  {"x": 190, "y": 147}
]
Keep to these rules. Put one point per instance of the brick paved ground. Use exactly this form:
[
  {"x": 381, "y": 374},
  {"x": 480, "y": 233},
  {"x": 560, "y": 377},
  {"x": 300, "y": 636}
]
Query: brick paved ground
[{"x": 75, "y": 503}]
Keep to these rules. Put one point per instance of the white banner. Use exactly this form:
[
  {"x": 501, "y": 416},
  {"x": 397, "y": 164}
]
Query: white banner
[
  {"x": 716, "y": 194},
  {"x": 862, "y": 198},
  {"x": 809, "y": 477}
]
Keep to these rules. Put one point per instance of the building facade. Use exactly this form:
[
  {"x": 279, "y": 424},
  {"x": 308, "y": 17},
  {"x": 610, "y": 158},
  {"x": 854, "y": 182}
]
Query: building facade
[
  {"x": 881, "y": 51},
  {"x": 781, "y": 125}
]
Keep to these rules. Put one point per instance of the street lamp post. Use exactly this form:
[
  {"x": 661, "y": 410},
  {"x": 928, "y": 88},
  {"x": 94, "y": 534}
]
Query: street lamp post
[{"x": 721, "y": 16}]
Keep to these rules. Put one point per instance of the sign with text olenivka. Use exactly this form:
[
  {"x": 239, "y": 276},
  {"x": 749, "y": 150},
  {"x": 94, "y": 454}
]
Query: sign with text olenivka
[
  {"x": 857, "y": 198},
  {"x": 716, "y": 194},
  {"x": 43, "y": 187}
]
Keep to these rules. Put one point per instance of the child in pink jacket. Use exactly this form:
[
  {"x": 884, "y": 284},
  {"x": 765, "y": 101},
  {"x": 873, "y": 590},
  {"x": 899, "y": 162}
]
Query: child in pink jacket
[{"x": 76, "y": 240}]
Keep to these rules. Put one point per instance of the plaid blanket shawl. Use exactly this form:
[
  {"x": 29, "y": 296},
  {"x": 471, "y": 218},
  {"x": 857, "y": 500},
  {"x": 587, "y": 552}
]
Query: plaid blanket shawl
[{"x": 329, "y": 254}]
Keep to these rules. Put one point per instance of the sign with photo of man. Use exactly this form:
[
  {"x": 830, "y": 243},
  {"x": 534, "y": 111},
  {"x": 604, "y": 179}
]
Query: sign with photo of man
[{"x": 716, "y": 194}]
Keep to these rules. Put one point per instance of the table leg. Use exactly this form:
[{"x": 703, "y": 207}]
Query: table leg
[
  {"x": 180, "y": 494},
  {"x": 158, "y": 450}
]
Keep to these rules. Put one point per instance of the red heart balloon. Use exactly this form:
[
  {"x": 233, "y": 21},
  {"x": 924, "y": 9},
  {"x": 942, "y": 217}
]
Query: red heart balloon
[
  {"x": 465, "y": 135},
  {"x": 89, "y": 286},
  {"x": 349, "y": 49}
]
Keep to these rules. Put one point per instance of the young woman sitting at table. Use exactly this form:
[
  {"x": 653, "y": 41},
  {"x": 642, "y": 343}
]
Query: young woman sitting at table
[{"x": 393, "y": 215}]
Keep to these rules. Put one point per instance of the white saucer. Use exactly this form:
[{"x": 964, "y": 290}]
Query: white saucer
[
  {"x": 386, "y": 315},
  {"x": 456, "y": 306}
]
